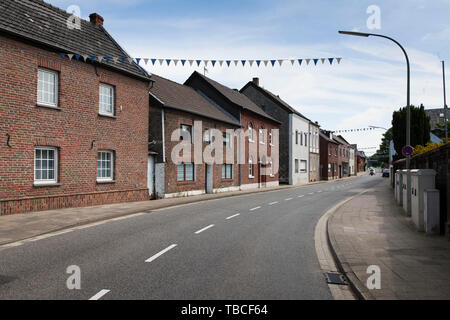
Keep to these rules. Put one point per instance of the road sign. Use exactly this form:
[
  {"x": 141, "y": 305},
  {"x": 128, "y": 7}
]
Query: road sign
[{"x": 407, "y": 151}]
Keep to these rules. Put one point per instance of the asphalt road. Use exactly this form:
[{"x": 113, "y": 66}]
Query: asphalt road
[{"x": 258, "y": 246}]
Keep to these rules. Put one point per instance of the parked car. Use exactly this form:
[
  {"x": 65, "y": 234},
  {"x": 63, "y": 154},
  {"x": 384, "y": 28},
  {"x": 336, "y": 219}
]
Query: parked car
[{"x": 385, "y": 173}]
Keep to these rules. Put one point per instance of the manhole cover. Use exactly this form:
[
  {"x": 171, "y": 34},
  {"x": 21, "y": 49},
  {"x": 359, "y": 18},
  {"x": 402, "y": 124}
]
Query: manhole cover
[{"x": 335, "y": 278}]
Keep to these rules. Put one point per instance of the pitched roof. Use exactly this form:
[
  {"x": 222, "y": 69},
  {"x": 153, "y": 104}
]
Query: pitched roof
[
  {"x": 275, "y": 98},
  {"x": 234, "y": 96},
  {"x": 326, "y": 137},
  {"x": 181, "y": 97},
  {"x": 42, "y": 23}
]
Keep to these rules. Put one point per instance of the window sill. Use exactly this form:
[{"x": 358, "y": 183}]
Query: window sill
[
  {"x": 185, "y": 182},
  {"x": 42, "y": 185},
  {"x": 105, "y": 181},
  {"x": 251, "y": 177},
  {"x": 107, "y": 116},
  {"x": 42, "y": 105}
]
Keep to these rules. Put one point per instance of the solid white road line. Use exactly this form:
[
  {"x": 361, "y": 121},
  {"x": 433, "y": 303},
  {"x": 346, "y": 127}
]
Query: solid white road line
[
  {"x": 160, "y": 253},
  {"x": 272, "y": 203},
  {"x": 253, "y": 209},
  {"x": 206, "y": 228},
  {"x": 100, "y": 294},
  {"x": 288, "y": 199},
  {"x": 231, "y": 217}
]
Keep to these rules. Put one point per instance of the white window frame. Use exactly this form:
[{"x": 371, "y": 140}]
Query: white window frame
[
  {"x": 106, "y": 179},
  {"x": 101, "y": 110},
  {"x": 184, "y": 164},
  {"x": 250, "y": 130},
  {"x": 226, "y": 165},
  {"x": 250, "y": 168},
  {"x": 56, "y": 88},
  {"x": 271, "y": 168},
  {"x": 305, "y": 169},
  {"x": 261, "y": 136},
  {"x": 207, "y": 136},
  {"x": 55, "y": 167}
]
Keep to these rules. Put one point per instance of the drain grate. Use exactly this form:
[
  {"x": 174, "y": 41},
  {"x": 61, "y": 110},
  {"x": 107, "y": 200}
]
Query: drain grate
[{"x": 335, "y": 278}]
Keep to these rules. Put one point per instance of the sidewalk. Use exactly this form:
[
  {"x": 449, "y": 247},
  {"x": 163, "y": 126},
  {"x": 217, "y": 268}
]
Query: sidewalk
[{"x": 372, "y": 230}]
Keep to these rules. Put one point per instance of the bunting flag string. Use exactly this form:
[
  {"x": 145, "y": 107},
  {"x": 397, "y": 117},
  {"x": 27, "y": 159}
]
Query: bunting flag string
[
  {"x": 198, "y": 62},
  {"x": 354, "y": 130}
]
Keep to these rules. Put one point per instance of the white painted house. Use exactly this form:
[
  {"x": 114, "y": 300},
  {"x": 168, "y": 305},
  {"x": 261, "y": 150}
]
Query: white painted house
[{"x": 298, "y": 149}]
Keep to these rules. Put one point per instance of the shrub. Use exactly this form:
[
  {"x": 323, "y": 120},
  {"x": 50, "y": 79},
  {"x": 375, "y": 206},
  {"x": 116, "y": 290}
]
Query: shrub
[{"x": 422, "y": 149}]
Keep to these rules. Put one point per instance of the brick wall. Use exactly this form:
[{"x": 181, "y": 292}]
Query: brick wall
[{"x": 75, "y": 129}]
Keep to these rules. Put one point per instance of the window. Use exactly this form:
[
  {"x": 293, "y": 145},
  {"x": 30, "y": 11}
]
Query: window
[
  {"x": 336, "y": 152},
  {"x": 296, "y": 137},
  {"x": 227, "y": 171},
  {"x": 207, "y": 136},
  {"x": 262, "y": 138},
  {"x": 186, "y": 133},
  {"x": 301, "y": 138},
  {"x": 250, "y": 132},
  {"x": 45, "y": 165},
  {"x": 306, "y": 139},
  {"x": 302, "y": 165},
  {"x": 271, "y": 168},
  {"x": 106, "y": 100},
  {"x": 226, "y": 139},
  {"x": 271, "y": 137},
  {"x": 47, "y": 87},
  {"x": 250, "y": 167},
  {"x": 185, "y": 172},
  {"x": 329, "y": 167},
  {"x": 296, "y": 166},
  {"x": 329, "y": 151},
  {"x": 105, "y": 168}
]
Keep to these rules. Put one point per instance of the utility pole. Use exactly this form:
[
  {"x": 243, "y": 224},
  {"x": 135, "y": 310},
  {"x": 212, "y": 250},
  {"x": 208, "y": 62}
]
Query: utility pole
[{"x": 445, "y": 103}]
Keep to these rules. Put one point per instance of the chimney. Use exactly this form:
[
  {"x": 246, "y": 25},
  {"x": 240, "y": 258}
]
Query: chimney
[
  {"x": 96, "y": 19},
  {"x": 256, "y": 81}
]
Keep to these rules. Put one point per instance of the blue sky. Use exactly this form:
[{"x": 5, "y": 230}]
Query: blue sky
[{"x": 363, "y": 90}]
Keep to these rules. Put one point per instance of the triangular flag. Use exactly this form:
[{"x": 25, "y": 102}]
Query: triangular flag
[
  {"x": 115, "y": 59},
  {"x": 198, "y": 62},
  {"x": 236, "y": 62},
  {"x": 206, "y": 62},
  {"x": 138, "y": 60},
  {"x": 228, "y": 62},
  {"x": 130, "y": 60},
  {"x": 175, "y": 61},
  {"x": 251, "y": 62},
  {"x": 338, "y": 60},
  {"x": 70, "y": 55},
  {"x": 331, "y": 60},
  {"x": 77, "y": 57},
  {"x": 85, "y": 57},
  {"x": 323, "y": 60},
  {"x": 145, "y": 61},
  {"x": 273, "y": 62},
  {"x": 183, "y": 61},
  {"x": 315, "y": 61},
  {"x": 266, "y": 62},
  {"x": 213, "y": 62},
  {"x": 300, "y": 62},
  {"x": 161, "y": 61},
  {"x": 220, "y": 62},
  {"x": 307, "y": 61},
  {"x": 280, "y": 62},
  {"x": 292, "y": 62},
  {"x": 153, "y": 61},
  {"x": 63, "y": 55},
  {"x": 258, "y": 62},
  {"x": 107, "y": 59},
  {"x": 191, "y": 62},
  {"x": 100, "y": 58},
  {"x": 243, "y": 63},
  {"x": 168, "y": 61},
  {"x": 123, "y": 59}
]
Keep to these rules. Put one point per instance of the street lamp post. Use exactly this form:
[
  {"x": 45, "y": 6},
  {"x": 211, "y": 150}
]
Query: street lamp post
[{"x": 408, "y": 107}]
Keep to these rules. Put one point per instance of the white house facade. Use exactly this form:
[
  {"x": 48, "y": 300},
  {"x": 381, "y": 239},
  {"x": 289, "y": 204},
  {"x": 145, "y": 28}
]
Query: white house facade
[{"x": 298, "y": 150}]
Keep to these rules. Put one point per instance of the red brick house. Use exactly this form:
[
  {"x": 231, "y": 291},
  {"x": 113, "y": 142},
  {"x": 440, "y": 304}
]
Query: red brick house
[
  {"x": 329, "y": 156},
  {"x": 343, "y": 156},
  {"x": 175, "y": 106},
  {"x": 361, "y": 164},
  {"x": 260, "y": 161},
  {"x": 72, "y": 132}
]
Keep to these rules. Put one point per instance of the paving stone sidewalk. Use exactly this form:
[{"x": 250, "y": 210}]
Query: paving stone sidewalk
[{"x": 371, "y": 229}]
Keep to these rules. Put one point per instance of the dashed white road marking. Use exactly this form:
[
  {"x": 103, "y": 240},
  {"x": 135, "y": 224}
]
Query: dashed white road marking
[
  {"x": 311, "y": 193},
  {"x": 319, "y": 191},
  {"x": 231, "y": 217},
  {"x": 160, "y": 253},
  {"x": 301, "y": 196},
  {"x": 288, "y": 199},
  {"x": 256, "y": 208},
  {"x": 204, "y": 229},
  {"x": 272, "y": 203},
  {"x": 100, "y": 294}
]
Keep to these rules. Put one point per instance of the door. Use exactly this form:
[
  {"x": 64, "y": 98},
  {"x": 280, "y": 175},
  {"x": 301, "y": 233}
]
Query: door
[
  {"x": 208, "y": 178},
  {"x": 151, "y": 175}
]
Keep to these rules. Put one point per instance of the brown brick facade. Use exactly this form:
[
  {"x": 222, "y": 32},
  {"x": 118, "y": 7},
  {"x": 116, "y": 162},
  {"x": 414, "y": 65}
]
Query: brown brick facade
[{"x": 75, "y": 129}]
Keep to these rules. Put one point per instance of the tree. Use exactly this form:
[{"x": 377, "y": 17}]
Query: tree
[{"x": 420, "y": 128}]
